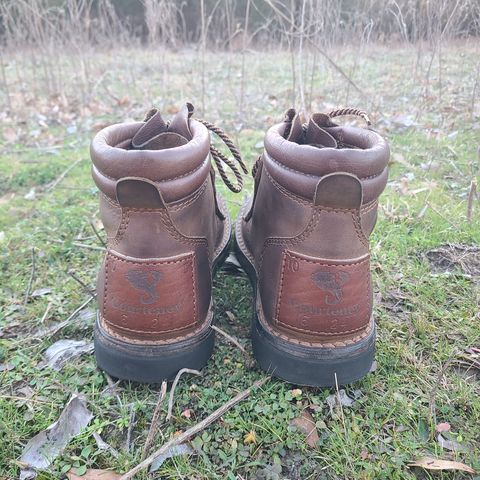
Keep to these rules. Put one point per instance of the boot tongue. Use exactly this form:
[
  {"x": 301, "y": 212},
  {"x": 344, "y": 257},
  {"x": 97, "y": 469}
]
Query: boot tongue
[
  {"x": 156, "y": 134},
  {"x": 316, "y": 134}
]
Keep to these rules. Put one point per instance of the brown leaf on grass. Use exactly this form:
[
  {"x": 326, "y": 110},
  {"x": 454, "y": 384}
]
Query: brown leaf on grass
[
  {"x": 9, "y": 135},
  {"x": 442, "y": 427},
  {"x": 187, "y": 413},
  {"x": 94, "y": 474},
  {"x": 429, "y": 463},
  {"x": 305, "y": 424}
]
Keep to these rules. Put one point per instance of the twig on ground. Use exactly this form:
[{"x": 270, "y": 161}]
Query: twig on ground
[
  {"x": 230, "y": 338},
  {"x": 102, "y": 241},
  {"x": 54, "y": 329},
  {"x": 81, "y": 283},
  {"x": 112, "y": 386},
  {"x": 340, "y": 406},
  {"x": 190, "y": 432},
  {"x": 44, "y": 316},
  {"x": 30, "y": 280},
  {"x": 156, "y": 414},
  {"x": 64, "y": 174},
  {"x": 471, "y": 195},
  {"x": 174, "y": 386},
  {"x": 88, "y": 247},
  {"x": 131, "y": 424},
  {"x": 78, "y": 244},
  {"x": 102, "y": 445}
]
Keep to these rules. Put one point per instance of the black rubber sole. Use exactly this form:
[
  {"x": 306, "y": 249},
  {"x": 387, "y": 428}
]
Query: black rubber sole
[
  {"x": 305, "y": 365},
  {"x": 150, "y": 363},
  {"x": 154, "y": 363}
]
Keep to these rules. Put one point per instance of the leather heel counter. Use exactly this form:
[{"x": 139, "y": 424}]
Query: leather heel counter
[
  {"x": 318, "y": 283},
  {"x": 149, "y": 297},
  {"x": 324, "y": 297},
  {"x": 155, "y": 282}
]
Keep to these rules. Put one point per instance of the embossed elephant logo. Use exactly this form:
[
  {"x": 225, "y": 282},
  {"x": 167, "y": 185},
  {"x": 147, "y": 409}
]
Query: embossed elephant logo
[
  {"x": 331, "y": 283},
  {"x": 146, "y": 282}
]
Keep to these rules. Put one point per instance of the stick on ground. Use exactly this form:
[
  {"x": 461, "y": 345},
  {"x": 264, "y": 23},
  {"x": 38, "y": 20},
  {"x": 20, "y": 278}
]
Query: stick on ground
[
  {"x": 30, "y": 280},
  {"x": 174, "y": 386},
  {"x": 193, "y": 430},
  {"x": 229, "y": 338},
  {"x": 156, "y": 413}
]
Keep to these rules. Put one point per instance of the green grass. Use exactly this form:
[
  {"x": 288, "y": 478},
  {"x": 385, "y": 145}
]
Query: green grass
[{"x": 425, "y": 320}]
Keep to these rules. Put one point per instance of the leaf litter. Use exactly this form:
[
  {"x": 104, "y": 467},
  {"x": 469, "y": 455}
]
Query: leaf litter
[
  {"x": 454, "y": 257},
  {"x": 306, "y": 425},
  {"x": 429, "y": 463},
  {"x": 61, "y": 352},
  {"x": 46, "y": 446}
]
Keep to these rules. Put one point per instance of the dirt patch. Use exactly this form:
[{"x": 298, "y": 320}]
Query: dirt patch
[{"x": 454, "y": 258}]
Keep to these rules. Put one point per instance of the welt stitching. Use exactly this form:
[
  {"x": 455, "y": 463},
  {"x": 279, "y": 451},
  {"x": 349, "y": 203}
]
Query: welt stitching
[
  {"x": 338, "y": 343},
  {"x": 171, "y": 340},
  {"x": 340, "y": 332},
  {"x": 148, "y": 331}
]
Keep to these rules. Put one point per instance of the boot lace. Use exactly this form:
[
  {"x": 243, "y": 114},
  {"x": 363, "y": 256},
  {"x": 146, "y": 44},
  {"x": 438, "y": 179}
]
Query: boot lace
[{"x": 220, "y": 159}]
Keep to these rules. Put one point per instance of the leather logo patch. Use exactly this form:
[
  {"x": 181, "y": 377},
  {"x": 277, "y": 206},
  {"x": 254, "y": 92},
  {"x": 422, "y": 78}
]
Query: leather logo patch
[
  {"x": 146, "y": 282},
  {"x": 332, "y": 284},
  {"x": 151, "y": 295},
  {"x": 329, "y": 297}
]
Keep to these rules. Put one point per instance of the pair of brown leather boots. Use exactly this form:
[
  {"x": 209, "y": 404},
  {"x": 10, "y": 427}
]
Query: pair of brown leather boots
[{"x": 302, "y": 238}]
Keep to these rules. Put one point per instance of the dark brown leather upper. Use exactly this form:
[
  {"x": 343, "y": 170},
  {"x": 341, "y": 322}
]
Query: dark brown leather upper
[
  {"x": 306, "y": 230},
  {"x": 157, "y": 203}
]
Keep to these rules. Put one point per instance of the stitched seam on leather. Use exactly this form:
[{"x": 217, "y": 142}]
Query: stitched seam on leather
[
  {"x": 186, "y": 203},
  {"x": 358, "y": 230},
  {"x": 326, "y": 264},
  {"x": 168, "y": 341},
  {"x": 334, "y": 344},
  {"x": 318, "y": 176},
  {"x": 279, "y": 299},
  {"x": 163, "y": 180},
  {"x": 153, "y": 332},
  {"x": 292, "y": 241},
  {"x": 363, "y": 209},
  {"x": 122, "y": 228},
  {"x": 153, "y": 264},
  {"x": 285, "y": 192}
]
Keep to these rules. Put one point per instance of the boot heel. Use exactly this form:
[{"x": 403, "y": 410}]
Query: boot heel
[
  {"x": 312, "y": 366},
  {"x": 141, "y": 362}
]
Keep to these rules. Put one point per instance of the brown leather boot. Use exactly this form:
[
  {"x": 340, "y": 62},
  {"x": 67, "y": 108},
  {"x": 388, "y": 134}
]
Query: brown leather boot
[
  {"x": 303, "y": 240},
  {"x": 167, "y": 232}
]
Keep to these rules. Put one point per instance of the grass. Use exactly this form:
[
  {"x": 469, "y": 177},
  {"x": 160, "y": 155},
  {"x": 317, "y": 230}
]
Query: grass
[{"x": 426, "y": 319}]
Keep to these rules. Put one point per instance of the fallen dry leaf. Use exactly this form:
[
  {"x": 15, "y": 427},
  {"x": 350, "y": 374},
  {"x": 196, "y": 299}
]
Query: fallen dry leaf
[
  {"x": 9, "y": 135},
  {"x": 429, "y": 463},
  {"x": 44, "y": 447},
  {"x": 442, "y": 427},
  {"x": 95, "y": 474},
  {"x": 250, "y": 437},
  {"x": 306, "y": 425},
  {"x": 187, "y": 413}
]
